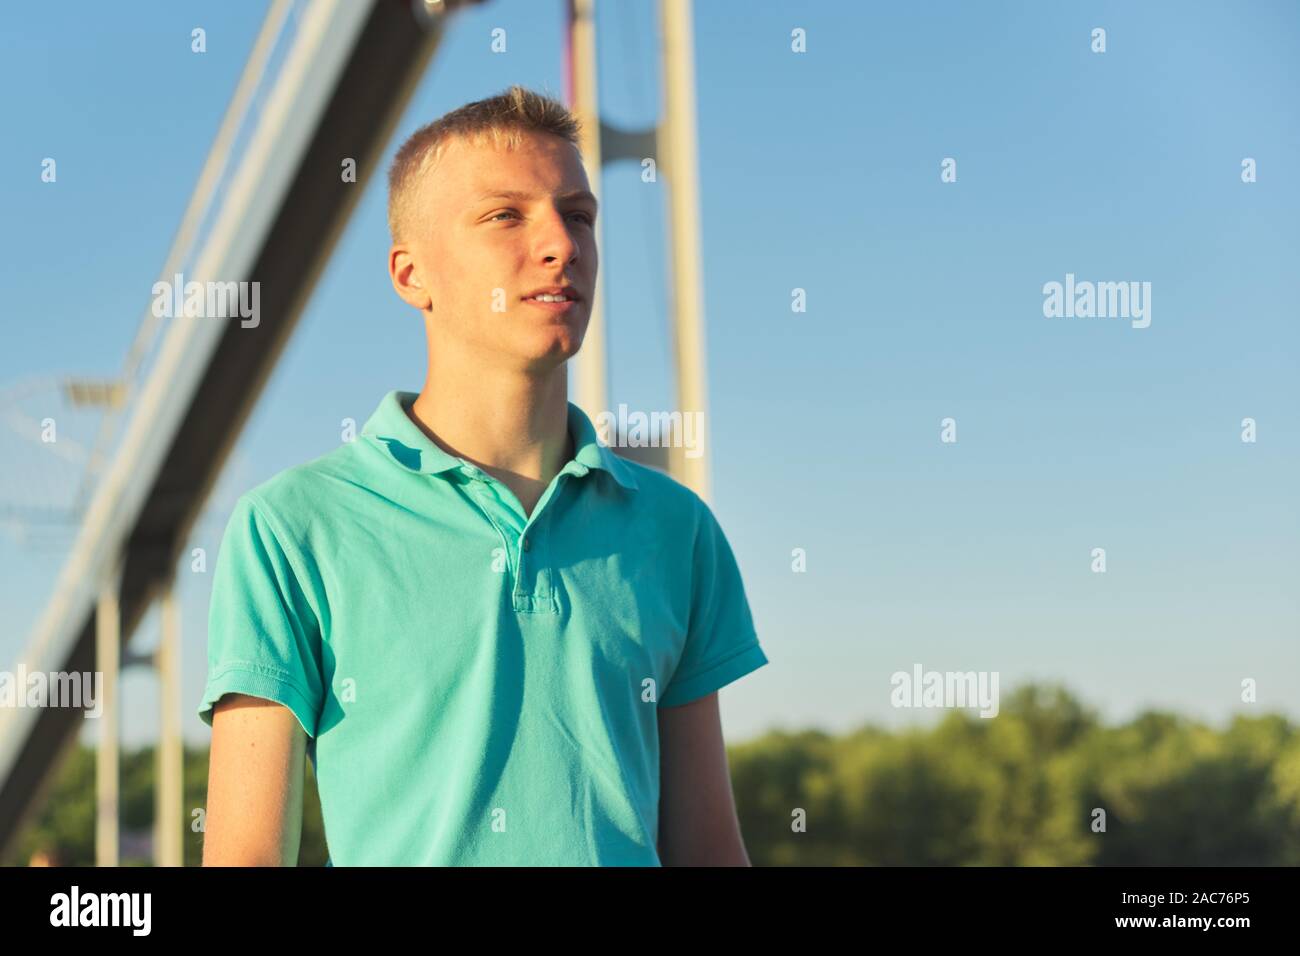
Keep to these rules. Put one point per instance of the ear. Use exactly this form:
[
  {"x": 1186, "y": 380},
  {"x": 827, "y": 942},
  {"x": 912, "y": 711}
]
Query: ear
[{"x": 405, "y": 277}]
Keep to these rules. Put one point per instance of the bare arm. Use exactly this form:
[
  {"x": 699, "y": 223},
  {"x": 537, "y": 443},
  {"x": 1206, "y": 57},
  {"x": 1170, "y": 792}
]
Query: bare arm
[
  {"x": 255, "y": 784},
  {"x": 697, "y": 812}
]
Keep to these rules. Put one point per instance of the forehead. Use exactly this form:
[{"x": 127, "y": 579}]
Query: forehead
[{"x": 541, "y": 163}]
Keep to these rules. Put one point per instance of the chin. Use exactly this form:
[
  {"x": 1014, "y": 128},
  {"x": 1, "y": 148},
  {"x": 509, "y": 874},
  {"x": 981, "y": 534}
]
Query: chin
[
  {"x": 560, "y": 339},
  {"x": 558, "y": 350}
]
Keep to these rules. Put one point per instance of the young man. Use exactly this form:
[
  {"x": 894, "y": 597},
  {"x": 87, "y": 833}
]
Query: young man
[{"x": 498, "y": 642}]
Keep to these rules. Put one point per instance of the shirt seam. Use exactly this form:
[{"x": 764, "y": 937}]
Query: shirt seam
[
  {"x": 263, "y": 670},
  {"x": 284, "y": 539},
  {"x": 716, "y": 664},
  {"x": 293, "y": 554}
]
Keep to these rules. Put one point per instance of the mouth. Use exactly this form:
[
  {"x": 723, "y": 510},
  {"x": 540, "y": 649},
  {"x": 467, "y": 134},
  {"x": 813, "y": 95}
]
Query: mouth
[{"x": 554, "y": 300}]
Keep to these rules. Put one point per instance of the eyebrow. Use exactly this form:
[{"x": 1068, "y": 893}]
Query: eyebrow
[{"x": 517, "y": 196}]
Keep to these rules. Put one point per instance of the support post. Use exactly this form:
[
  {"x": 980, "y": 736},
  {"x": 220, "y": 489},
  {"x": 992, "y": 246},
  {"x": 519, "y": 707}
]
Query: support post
[
  {"x": 168, "y": 794},
  {"x": 108, "y": 661}
]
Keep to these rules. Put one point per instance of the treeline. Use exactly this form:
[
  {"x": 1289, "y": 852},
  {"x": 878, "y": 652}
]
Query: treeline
[
  {"x": 1030, "y": 787},
  {"x": 63, "y": 833},
  {"x": 1042, "y": 784}
]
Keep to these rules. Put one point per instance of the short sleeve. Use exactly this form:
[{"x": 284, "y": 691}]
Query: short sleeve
[
  {"x": 263, "y": 635},
  {"x": 721, "y": 644}
]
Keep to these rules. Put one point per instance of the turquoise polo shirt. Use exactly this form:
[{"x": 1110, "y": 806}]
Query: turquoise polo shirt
[{"x": 478, "y": 686}]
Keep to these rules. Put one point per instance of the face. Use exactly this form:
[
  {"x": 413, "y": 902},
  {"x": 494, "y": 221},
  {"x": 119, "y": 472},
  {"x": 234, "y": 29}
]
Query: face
[{"x": 493, "y": 226}]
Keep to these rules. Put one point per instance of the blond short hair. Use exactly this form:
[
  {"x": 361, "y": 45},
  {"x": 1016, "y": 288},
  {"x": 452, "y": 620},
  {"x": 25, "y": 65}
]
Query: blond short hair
[{"x": 503, "y": 120}]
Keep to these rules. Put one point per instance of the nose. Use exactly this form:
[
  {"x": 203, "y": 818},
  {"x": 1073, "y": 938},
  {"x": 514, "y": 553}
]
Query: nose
[{"x": 555, "y": 240}]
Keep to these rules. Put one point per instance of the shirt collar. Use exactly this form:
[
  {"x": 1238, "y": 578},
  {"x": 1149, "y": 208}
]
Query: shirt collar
[
  {"x": 396, "y": 434},
  {"x": 590, "y": 453}
]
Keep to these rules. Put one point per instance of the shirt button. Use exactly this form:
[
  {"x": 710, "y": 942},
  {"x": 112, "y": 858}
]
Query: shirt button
[{"x": 525, "y": 543}]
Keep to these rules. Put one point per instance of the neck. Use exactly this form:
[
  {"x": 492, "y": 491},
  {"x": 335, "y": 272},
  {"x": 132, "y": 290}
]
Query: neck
[{"x": 512, "y": 424}]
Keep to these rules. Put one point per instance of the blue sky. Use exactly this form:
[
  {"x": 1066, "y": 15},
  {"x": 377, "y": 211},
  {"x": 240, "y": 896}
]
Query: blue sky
[{"x": 819, "y": 171}]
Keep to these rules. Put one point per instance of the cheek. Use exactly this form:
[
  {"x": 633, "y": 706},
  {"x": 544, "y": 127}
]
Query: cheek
[
  {"x": 437, "y": 262},
  {"x": 458, "y": 271},
  {"x": 485, "y": 274}
]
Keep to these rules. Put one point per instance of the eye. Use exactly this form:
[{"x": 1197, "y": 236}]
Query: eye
[{"x": 583, "y": 216}]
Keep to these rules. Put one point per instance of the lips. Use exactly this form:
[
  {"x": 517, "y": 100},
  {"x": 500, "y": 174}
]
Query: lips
[{"x": 568, "y": 291}]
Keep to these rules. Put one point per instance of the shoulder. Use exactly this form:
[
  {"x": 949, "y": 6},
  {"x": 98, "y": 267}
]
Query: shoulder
[
  {"x": 666, "y": 502},
  {"x": 293, "y": 500}
]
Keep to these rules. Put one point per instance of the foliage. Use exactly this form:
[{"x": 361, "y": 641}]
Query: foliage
[{"x": 1020, "y": 789}]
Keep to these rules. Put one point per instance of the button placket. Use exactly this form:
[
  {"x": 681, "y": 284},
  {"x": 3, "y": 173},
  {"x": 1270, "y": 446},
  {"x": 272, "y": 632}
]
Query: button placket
[
  {"x": 476, "y": 489},
  {"x": 525, "y": 595},
  {"x": 531, "y": 593},
  {"x": 534, "y": 555}
]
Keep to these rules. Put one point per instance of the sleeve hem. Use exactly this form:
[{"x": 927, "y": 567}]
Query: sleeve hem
[
  {"x": 745, "y": 660},
  {"x": 258, "y": 680}
]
